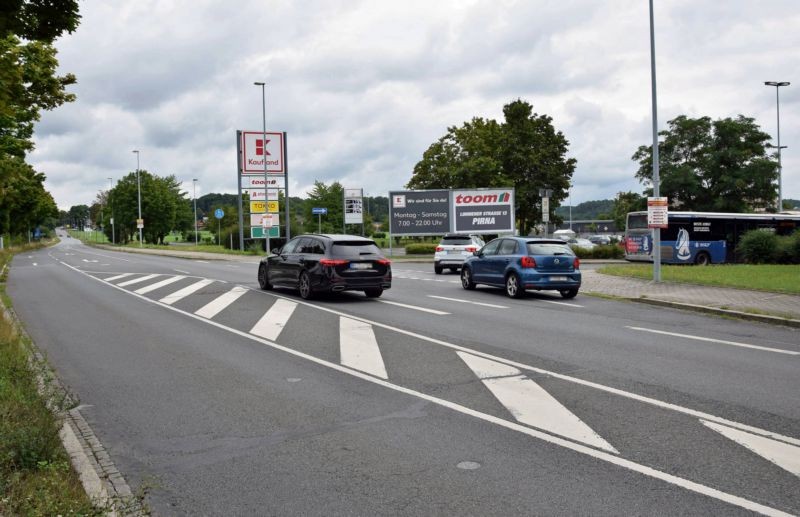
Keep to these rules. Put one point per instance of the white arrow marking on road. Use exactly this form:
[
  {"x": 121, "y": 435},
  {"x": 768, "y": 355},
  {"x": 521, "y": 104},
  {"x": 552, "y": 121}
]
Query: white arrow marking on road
[
  {"x": 216, "y": 305},
  {"x": 186, "y": 291},
  {"x": 153, "y": 287},
  {"x": 117, "y": 277},
  {"x": 722, "y": 341},
  {"x": 530, "y": 404},
  {"x": 781, "y": 454},
  {"x": 138, "y": 280},
  {"x": 359, "y": 348},
  {"x": 272, "y": 322}
]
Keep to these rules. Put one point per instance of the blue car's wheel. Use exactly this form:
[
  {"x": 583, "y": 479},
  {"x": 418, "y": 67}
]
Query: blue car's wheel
[
  {"x": 466, "y": 279},
  {"x": 514, "y": 287},
  {"x": 569, "y": 293}
]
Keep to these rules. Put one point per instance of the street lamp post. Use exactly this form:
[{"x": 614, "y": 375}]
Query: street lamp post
[
  {"x": 111, "y": 206},
  {"x": 194, "y": 195},
  {"x": 777, "y": 86},
  {"x": 264, "y": 130},
  {"x": 139, "y": 196},
  {"x": 656, "y": 179}
]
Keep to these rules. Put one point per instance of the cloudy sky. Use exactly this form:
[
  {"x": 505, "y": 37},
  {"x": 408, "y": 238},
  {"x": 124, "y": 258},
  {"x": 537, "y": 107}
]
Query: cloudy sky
[{"x": 362, "y": 88}]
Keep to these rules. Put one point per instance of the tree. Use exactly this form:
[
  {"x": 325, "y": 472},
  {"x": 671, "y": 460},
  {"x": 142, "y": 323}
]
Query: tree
[
  {"x": 626, "y": 202},
  {"x": 719, "y": 166},
  {"x": 525, "y": 152},
  {"x": 39, "y": 20},
  {"x": 323, "y": 196}
]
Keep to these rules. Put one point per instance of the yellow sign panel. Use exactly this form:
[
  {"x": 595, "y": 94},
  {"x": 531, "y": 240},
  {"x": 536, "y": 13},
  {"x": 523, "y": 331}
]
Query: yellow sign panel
[{"x": 259, "y": 207}]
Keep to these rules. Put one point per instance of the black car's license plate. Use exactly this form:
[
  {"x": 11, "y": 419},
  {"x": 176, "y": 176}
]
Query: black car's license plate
[{"x": 361, "y": 265}]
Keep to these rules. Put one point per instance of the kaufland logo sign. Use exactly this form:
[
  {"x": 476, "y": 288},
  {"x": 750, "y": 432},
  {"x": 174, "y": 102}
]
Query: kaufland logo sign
[
  {"x": 256, "y": 149},
  {"x": 489, "y": 197}
]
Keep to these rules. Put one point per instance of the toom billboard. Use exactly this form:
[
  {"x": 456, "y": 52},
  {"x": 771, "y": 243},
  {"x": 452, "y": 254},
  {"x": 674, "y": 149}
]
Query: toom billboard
[
  {"x": 483, "y": 211},
  {"x": 434, "y": 212}
]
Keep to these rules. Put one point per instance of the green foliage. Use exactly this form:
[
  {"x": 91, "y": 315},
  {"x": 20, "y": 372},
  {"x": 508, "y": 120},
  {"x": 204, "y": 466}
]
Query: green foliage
[
  {"x": 719, "y": 166},
  {"x": 626, "y": 202},
  {"x": 24, "y": 203},
  {"x": 324, "y": 196},
  {"x": 587, "y": 210},
  {"x": 525, "y": 152},
  {"x": 421, "y": 248},
  {"x": 40, "y": 20},
  {"x": 758, "y": 247},
  {"x": 379, "y": 235}
]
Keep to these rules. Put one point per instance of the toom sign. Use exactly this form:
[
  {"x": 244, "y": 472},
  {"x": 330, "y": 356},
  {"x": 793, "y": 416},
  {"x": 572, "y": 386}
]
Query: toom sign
[
  {"x": 483, "y": 211},
  {"x": 256, "y": 149}
]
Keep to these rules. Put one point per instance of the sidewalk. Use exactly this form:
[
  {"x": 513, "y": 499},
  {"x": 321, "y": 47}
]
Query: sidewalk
[{"x": 776, "y": 308}]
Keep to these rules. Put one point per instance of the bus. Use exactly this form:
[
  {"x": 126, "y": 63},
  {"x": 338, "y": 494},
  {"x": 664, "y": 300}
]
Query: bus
[{"x": 700, "y": 237}]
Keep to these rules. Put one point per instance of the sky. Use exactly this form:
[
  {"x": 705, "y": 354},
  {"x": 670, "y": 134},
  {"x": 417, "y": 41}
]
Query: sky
[{"x": 363, "y": 88}]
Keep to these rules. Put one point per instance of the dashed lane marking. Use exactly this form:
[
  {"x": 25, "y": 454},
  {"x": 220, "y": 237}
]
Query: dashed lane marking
[
  {"x": 468, "y": 301},
  {"x": 415, "y": 307}
]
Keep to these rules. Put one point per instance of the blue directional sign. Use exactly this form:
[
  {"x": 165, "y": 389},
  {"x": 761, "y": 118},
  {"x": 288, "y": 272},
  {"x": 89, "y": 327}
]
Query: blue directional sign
[
  {"x": 319, "y": 211},
  {"x": 219, "y": 213}
]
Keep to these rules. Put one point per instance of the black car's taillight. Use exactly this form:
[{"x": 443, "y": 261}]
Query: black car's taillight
[{"x": 333, "y": 262}]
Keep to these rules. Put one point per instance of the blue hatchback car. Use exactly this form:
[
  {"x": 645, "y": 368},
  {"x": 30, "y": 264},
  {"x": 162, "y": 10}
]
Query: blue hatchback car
[{"x": 519, "y": 263}]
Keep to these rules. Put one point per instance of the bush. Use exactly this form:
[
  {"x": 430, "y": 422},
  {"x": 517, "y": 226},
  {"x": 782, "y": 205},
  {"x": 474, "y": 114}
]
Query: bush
[
  {"x": 609, "y": 251},
  {"x": 758, "y": 247},
  {"x": 788, "y": 249},
  {"x": 421, "y": 248},
  {"x": 379, "y": 235}
]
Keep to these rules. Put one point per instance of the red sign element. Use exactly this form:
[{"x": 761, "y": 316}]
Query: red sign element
[{"x": 260, "y": 147}]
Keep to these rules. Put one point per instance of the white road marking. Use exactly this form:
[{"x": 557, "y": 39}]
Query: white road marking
[
  {"x": 35, "y": 264},
  {"x": 202, "y": 261},
  {"x": 117, "y": 277},
  {"x": 563, "y": 303},
  {"x": 359, "y": 348},
  {"x": 416, "y": 308},
  {"x": 216, "y": 305},
  {"x": 468, "y": 301},
  {"x": 781, "y": 454},
  {"x": 103, "y": 255},
  {"x": 576, "y": 447},
  {"x": 181, "y": 271},
  {"x": 721, "y": 341},
  {"x": 157, "y": 285},
  {"x": 186, "y": 291},
  {"x": 87, "y": 260},
  {"x": 272, "y": 322},
  {"x": 530, "y": 404},
  {"x": 138, "y": 280}
]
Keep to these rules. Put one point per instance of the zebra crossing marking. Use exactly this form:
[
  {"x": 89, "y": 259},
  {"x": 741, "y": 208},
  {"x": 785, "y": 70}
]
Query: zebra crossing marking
[
  {"x": 118, "y": 277},
  {"x": 359, "y": 348},
  {"x": 272, "y": 322},
  {"x": 186, "y": 291},
  {"x": 530, "y": 404},
  {"x": 219, "y": 303},
  {"x": 157, "y": 285},
  {"x": 782, "y": 454}
]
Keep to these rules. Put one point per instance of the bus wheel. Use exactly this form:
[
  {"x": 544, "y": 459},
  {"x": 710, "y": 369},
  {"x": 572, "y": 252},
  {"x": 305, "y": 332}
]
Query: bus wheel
[{"x": 702, "y": 259}]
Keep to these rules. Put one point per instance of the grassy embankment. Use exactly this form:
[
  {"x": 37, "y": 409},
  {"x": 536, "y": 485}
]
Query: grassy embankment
[
  {"x": 762, "y": 277},
  {"x": 99, "y": 238},
  {"x": 36, "y": 477}
]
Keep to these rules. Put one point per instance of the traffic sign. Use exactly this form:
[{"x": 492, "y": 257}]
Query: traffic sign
[
  {"x": 319, "y": 211},
  {"x": 257, "y": 232},
  {"x": 140, "y": 223},
  {"x": 219, "y": 213}
]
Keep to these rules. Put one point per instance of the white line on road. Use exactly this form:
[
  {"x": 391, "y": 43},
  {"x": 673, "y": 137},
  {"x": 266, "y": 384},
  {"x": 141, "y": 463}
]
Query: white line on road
[
  {"x": 416, "y": 308},
  {"x": 138, "y": 280},
  {"x": 186, "y": 291},
  {"x": 272, "y": 322},
  {"x": 576, "y": 447},
  {"x": 721, "y": 341},
  {"x": 157, "y": 285},
  {"x": 35, "y": 264},
  {"x": 181, "y": 271},
  {"x": 565, "y": 304},
  {"x": 468, "y": 301},
  {"x": 202, "y": 261},
  {"x": 117, "y": 277},
  {"x": 216, "y": 305},
  {"x": 781, "y": 454},
  {"x": 359, "y": 348}
]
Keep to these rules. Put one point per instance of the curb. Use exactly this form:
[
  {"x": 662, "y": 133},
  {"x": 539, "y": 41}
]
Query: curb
[{"x": 763, "y": 318}]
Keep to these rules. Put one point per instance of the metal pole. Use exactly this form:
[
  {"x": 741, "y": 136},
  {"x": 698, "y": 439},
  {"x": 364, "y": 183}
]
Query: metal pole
[
  {"x": 777, "y": 86},
  {"x": 286, "y": 187},
  {"x": 264, "y": 132},
  {"x": 656, "y": 179},
  {"x": 194, "y": 195},
  {"x": 111, "y": 204},
  {"x": 239, "y": 179},
  {"x": 139, "y": 195}
]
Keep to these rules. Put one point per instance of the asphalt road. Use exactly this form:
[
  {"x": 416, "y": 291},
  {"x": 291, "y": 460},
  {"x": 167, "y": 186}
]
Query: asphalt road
[{"x": 220, "y": 398}]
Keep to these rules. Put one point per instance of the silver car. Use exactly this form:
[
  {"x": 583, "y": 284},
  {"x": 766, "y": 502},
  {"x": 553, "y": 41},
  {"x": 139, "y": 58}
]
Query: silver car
[{"x": 453, "y": 250}]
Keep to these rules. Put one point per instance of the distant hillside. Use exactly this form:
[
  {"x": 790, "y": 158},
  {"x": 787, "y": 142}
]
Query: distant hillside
[
  {"x": 795, "y": 203},
  {"x": 587, "y": 210}
]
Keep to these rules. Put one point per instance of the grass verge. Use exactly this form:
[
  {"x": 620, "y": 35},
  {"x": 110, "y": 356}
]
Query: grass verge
[
  {"x": 98, "y": 238},
  {"x": 760, "y": 277},
  {"x": 36, "y": 477}
]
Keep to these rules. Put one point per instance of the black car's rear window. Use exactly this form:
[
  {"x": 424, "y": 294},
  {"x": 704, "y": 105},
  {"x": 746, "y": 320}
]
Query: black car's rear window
[
  {"x": 456, "y": 240},
  {"x": 354, "y": 249},
  {"x": 546, "y": 248}
]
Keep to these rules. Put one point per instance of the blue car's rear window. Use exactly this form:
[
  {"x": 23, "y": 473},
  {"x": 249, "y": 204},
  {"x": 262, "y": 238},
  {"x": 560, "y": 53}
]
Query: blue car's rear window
[{"x": 546, "y": 248}]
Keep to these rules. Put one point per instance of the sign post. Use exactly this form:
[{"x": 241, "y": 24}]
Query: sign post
[
  {"x": 319, "y": 212},
  {"x": 354, "y": 207},
  {"x": 219, "y": 214}
]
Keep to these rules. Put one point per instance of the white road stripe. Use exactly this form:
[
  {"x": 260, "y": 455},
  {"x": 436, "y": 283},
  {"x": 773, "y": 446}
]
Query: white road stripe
[
  {"x": 576, "y": 447},
  {"x": 721, "y": 341},
  {"x": 781, "y": 454},
  {"x": 202, "y": 261},
  {"x": 216, "y": 305},
  {"x": 117, "y": 277},
  {"x": 186, "y": 291},
  {"x": 468, "y": 301},
  {"x": 157, "y": 285},
  {"x": 359, "y": 348},
  {"x": 272, "y": 322},
  {"x": 138, "y": 280},
  {"x": 416, "y": 308},
  {"x": 181, "y": 271},
  {"x": 563, "y": 303},
  {"x": 530, "y": 404}
]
